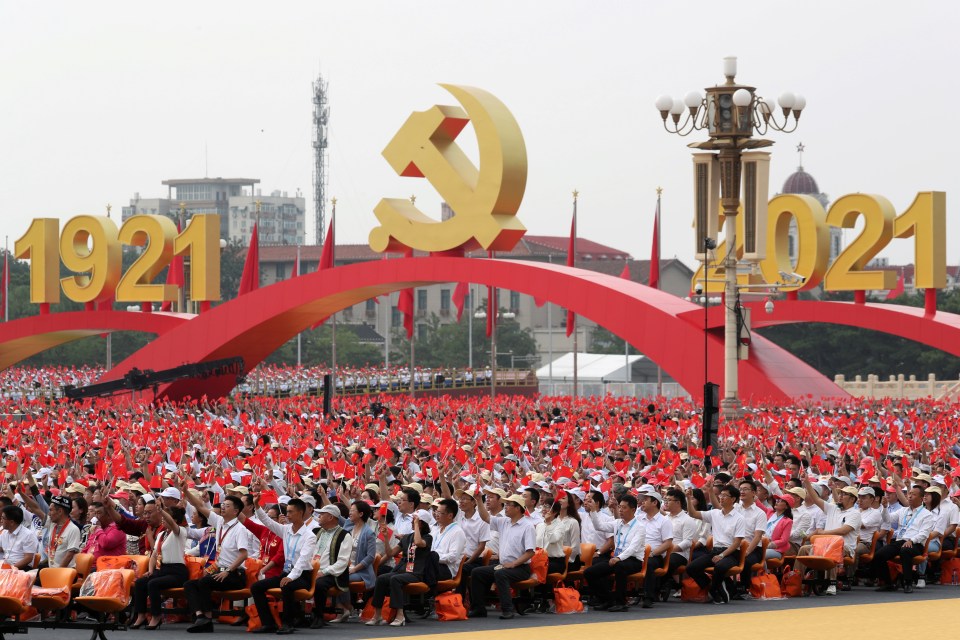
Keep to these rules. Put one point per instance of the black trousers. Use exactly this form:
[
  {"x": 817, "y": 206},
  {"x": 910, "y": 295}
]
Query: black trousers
[
  {"x": 893, "y": 551},
  {"x": 696, "y": 569},
  {"x": 168, "y": 576},
  {"x": 198, "y": 592},
  {"x": 598, "y": 578},
  {"x": 555, "y": 565},
  {"x": 677, "y": 560},
  {"x": 482, "y": 577},
  {"x": 468, "y": 568},
  {"x": 651, "y": 583},
  {"x": 393, "y": 584},
  {"x": 290, "y": 606}
]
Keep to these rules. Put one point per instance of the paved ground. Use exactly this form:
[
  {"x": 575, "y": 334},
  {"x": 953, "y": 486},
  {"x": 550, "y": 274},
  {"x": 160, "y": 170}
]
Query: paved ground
[{"x": 872, "y": 613}]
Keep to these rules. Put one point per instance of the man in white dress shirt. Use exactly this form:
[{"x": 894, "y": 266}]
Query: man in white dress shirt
[
  {"x": 684, "y": 528},
  {"x": 658, "y": 534},
  {"x": 449, "y": 541},
  {"x": 233, "y": 547},
  {"x": 729, "y": 531},
  {"x": 912, "y": 529},
  {"x": 18, "y": 544},
  {"x": 518, "y": 540},
  {"x": 627, "y": 558}
]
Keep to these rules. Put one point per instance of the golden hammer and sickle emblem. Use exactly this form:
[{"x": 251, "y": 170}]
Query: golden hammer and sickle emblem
[{"x": 485, "y": 200}]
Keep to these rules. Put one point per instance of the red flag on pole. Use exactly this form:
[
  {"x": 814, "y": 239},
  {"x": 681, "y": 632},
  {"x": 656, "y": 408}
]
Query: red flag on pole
[
  {"x": 250, "y": 280},
  {"x": 405, "y": 304},
  {"x": 174, "y": 276},
  {"x": 571, "y": 262},
  {"x": 655, "y": 251},
  {"x": 327, "y": 257},
  {"x": 625, "y": 274},
  {"x": 898, "y": 290},
  {"x": 460, "y": 297}
]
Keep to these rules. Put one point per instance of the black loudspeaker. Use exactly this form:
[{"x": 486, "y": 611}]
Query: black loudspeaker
[
  {"x": 711, "y": 417},
  {"x": 327, "y": 388}
]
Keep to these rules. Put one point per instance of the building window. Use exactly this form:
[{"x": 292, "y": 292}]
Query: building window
[
  {"x": 445, "y": 300},
  {"x": 281, "y": 271},
  {"x": 421, "y": 300},
  {"x": 514, "y": 301},
  {"x": 372, "y": 307},
  {"x": 394, "y": 316},
  {"x": 422, "y": 331}
]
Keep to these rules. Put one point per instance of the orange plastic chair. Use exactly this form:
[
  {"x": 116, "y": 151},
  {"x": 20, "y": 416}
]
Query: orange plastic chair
[
  {"x": 113, "y": 603},
  {"x": 54, "y": 578},
  {"x": 587, "y": 552},
  {"x": 84, "y": 562},
  {"x": 300, "y": 595}
]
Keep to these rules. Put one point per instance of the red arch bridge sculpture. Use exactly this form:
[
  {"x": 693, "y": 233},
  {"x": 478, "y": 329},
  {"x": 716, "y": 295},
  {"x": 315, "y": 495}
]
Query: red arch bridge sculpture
[{"x": 669, "y": 330}]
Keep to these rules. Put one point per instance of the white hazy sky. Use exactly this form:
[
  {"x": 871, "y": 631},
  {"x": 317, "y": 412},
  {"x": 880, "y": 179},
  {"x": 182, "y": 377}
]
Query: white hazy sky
[{"x": 101, "y": 100}]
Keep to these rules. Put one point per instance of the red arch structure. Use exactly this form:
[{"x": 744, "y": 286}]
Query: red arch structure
[
  {"x": 256, "y": 324},
  {"x": 26, "y": 337}
]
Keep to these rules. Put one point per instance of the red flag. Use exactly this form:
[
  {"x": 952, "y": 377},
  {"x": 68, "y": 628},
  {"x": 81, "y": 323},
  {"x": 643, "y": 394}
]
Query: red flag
[
  {"x": 327, "y": 256},
  {"x": 625, "y": 274},
  {"x": 655, "y": 251},
  {"x": 460, "y": 297},
  {"x": 405, "y": 304},
  {"x": 898, "y": 290},
  {"x": 571, "y": 262},
  {"x": 250, "y": 280},
  {"x": 174, "y": 276}
]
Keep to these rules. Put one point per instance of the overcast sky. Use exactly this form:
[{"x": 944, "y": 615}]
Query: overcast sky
[{"x": 101, "y": 100}]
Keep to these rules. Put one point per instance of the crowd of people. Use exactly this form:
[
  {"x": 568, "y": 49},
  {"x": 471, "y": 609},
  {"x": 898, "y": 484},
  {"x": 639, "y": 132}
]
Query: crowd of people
[{"x": 388, "y": 490}]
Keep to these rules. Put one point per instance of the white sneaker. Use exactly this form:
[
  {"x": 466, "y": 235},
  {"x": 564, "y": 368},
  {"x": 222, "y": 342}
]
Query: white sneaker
[
  {"x": 676, "y": 594},
  {"x": 832, "y": 590},
  {"x": 921, "y": 584}
]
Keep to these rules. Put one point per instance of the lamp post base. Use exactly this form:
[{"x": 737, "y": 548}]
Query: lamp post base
[{"x": 730, "y": 409}]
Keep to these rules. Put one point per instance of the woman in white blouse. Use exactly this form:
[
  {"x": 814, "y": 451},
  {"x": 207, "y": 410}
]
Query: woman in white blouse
[
  {"x": 560, "y": 528},
  {"x": 167, "y": 567}
]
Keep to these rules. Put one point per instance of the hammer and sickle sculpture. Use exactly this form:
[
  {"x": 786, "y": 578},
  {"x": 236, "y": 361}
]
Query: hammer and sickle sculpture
[{"x": 485, "y": 200}]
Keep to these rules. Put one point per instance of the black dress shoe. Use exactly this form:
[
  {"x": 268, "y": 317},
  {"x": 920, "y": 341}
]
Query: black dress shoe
[
  {"x": 618, "y": 608},
  {"x": 887, "y": 587},
  {"x": 202, "y": 625},
  {"x": 508, "y": 615},
  {"x": 603, "y": 606},
  {"x": 908, "y": 588},
  {"x": 284, "y": 631},
  {"x": 318, "y": 622},
  {"x": 477, "y": 613},
  {"x": 647, "y": 603}
]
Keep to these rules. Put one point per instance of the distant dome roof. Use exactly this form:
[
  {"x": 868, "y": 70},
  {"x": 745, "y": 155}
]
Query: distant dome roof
[{"x": 801, "y": 182}]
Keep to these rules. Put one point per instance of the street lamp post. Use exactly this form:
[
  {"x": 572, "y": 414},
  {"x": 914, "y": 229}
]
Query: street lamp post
[{"x": 730, "y": 113}]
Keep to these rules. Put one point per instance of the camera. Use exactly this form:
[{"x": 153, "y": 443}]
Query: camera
[
  {"x": 793, "y": 278},
  {"x": 698, "y": 288}
]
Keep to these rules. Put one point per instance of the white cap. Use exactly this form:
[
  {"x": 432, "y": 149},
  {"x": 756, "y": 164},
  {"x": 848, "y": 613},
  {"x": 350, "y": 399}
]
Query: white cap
[{"x": 171, "y": 492}]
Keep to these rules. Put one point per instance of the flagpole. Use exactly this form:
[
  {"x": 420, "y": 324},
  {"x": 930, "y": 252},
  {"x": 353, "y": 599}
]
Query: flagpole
[
  {"x": 550, "y": 336},
  {"x": 627, "y": 374},
  {"x": 495, "y": 310},
  {"x": 109, "y": 353},
  {"x": 657, "y": 223},
  {"x": 6, "y": 278},
  {"x": 470, "y": 329},
  {"x": 333, "y": 325},
  {"x": 299, "y": 335},
  {"x": 413, "y": 334},
  {"x": 573, "y": 261}
]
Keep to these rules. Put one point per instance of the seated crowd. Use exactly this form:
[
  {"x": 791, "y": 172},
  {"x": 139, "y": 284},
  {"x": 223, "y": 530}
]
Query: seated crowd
[{"x": 620, "y": 503}]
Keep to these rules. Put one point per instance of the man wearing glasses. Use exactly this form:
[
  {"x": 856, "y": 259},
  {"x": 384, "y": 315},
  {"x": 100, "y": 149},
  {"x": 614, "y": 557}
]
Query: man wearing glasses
[{"x": 729, "y": 531}]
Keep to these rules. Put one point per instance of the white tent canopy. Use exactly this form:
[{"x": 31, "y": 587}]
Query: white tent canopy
[{"x": 591, "y": 367}]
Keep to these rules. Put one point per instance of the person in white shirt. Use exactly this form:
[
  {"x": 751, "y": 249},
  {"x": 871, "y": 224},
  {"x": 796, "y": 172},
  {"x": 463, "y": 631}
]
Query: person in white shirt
[
  {"x": 843, "y": 520},
  {"x": 333, "y": 549},
  {"x": 913, "y": 526},
  {"x": 518, "y": 541},
  {"x": 684, "y": 528},
  {"x": 450, "y": 541},
  {"x": 729, "y": 531},
  {"x": 658, "y": 534},
  {"x": 754, "y": 522},
  {"x": 233, "y": 547},
  {"x": 602, "y": 540},
  {"x": 299, "y": 545},
  {"x": 627, "y": 557},
  {"x": 531, "y": 499},
  {"x": 870, "y": 520},
  {"x": 18, "y": 544}
]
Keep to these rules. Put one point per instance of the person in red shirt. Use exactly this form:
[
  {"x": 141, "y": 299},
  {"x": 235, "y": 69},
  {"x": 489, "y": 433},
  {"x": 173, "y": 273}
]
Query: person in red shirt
[
  {"x": 106, "y": 539},
  {"x": 271, "y": 546}
]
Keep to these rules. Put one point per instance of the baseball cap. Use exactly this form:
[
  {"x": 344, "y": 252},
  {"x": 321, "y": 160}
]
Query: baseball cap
[
  {"x": 791, "y": 500},
  {"x": 516, "y": 499},
  {"x": 332, "y": 510},
  {"x": 866, "y": 491},
  {"x": 800, "y": 492},
  {"x": 853, "y": 491},
  {"x": 309, "y": 499},
  {"x": 171, "y": 492}
]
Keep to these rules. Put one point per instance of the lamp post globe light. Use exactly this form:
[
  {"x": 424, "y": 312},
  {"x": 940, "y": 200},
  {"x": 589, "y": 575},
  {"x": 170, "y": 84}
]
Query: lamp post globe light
[{"x": 731, "y": 114}]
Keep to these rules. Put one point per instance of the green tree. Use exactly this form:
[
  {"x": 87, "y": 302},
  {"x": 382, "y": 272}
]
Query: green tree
[{"x": 603, "y": 340}]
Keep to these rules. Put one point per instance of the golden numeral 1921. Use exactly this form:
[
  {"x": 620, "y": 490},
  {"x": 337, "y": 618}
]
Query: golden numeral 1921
[{"x": 90, "y": 246}]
